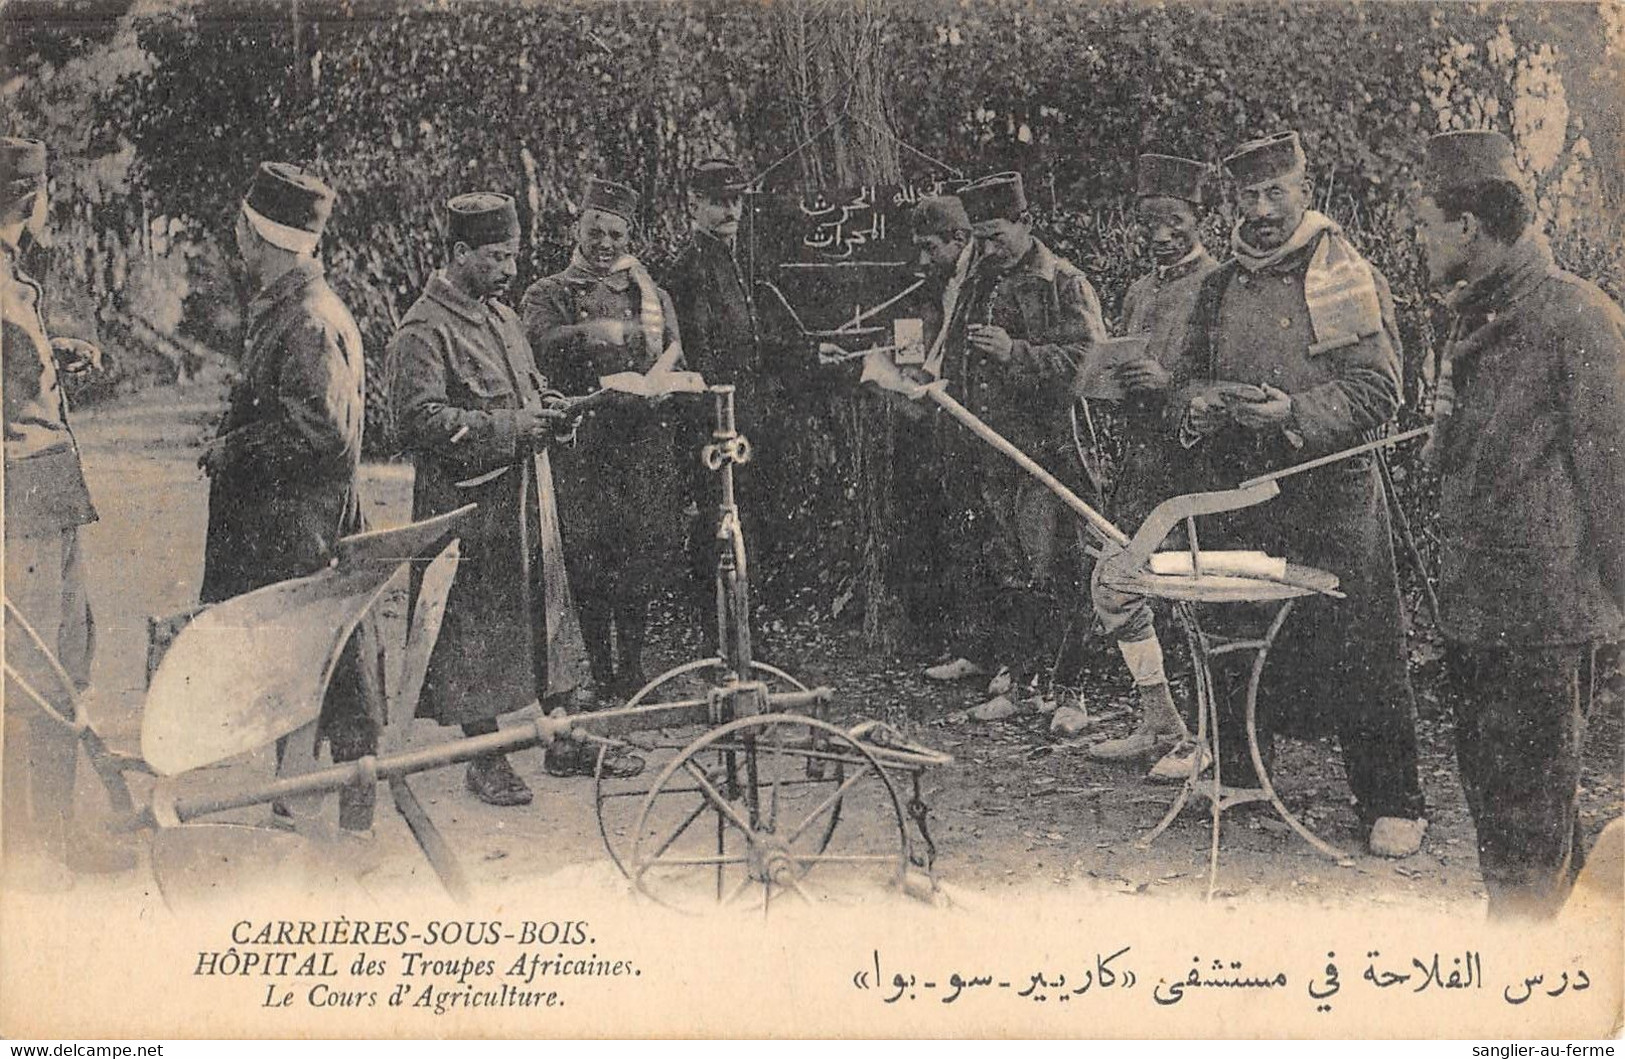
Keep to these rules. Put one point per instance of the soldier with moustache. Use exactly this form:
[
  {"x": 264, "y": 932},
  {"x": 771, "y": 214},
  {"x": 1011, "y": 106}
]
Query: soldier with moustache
[
  {"x": 1291, "y": 355},
  {"x": 474, "y": 410}
]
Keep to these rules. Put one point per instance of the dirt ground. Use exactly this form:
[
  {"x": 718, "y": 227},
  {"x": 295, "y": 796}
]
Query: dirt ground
[{"x": 1015, "y": 808}]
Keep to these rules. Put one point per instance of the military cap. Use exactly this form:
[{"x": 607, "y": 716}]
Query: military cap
[
  {"x": 994, "y": 198},
  {"x": 1164, "y": 175},
  {"x": 940, "y": 215},
  {"x": 288, "y": 206},
  {"x": 716, "y": 178},
  {"x": 22, "y": 169},
  {"x": 610, "y": 197},
  {"x": 1461, "y": 159},
  {"x": 1265, "y": 159},
  {"x": 480, "y": 218}
]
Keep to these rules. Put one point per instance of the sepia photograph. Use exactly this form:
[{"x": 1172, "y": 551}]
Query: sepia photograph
[{"x": 812, "y": 519}]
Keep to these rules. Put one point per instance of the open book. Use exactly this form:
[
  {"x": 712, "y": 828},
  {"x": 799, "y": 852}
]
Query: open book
[{"x": 1097, "y": 375}]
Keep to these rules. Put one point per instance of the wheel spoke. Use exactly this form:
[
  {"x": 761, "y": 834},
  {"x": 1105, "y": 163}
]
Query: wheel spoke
[
  {"x": 828, "y": 803},
  {"x": 722, "y": 804},
  {"x": 699, "y": 810},
  {"x": 795, "y": 887},
  {"x": 698, "y": 862},
  {"x": 733, "y": 895}
]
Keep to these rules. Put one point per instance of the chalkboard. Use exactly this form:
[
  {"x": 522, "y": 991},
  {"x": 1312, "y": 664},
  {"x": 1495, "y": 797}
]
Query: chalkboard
[{"x": 835, "y": 264}]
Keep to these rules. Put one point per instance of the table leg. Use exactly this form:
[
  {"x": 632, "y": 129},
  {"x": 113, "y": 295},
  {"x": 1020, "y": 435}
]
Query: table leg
[{"x": 1253, "y": 680}]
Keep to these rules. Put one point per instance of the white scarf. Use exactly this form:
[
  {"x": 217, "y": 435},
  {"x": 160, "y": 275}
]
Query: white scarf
[{"x": 651, "y": 317}]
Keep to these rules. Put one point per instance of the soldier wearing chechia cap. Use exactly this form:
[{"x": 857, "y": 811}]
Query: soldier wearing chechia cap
[
  {"x": 284, "y": 471},
  {"x": 1530, "y": 447},
  {"x": 1292, "y": 354},
  {"x": 1171, "y": 196},
  {"x": 46, "y": 502},
  {"x": 943, "y": 244},
  {"x": 1022, "y": 323},
  {"x": 604, "y": 315},
  {"x": 474, "y": 410}
]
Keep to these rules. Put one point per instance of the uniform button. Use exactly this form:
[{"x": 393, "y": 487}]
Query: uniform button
[
  {"x": 1287, "y": 280},
  {"x": 1286, "y": 322},
  {"x": 627, "y": 313},
  {"x": 1241, "y": 280},
  {"x": 582, "y": 313}
]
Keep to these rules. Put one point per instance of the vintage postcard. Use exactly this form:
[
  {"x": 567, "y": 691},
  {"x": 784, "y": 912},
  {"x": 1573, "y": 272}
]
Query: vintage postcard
[{"x": 812, "y": 520}]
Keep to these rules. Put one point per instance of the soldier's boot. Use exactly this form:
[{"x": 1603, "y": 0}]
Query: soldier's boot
[{"x": 1160, "y": 726}]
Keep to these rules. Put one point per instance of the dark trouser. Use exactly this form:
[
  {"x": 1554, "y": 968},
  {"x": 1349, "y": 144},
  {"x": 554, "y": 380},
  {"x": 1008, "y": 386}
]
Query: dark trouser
[
  {"x": 1520, "y": 731},
  {"x": 1371, "y": 715},
  {"x": 1013, "y": 573}
]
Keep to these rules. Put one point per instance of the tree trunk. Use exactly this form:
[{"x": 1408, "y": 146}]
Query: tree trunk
[{"x": 834, "y": 72}]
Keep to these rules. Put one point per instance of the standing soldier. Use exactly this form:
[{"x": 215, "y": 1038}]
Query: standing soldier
[
  {"x": 723, "y": 341},
  {"x": 601, "y": 316},
  {"x": 474, "y": 410},
  {"x": 1290, "y": 357},
  {"x": 285, "y": 468},
  {"x": 1022, "y": 323},
  {"x": 943, "y": 242},
  {"x": 1530, "y": 445},
  {"x": 46, "y": 502},
  {"x": 1158, "y": 305}
]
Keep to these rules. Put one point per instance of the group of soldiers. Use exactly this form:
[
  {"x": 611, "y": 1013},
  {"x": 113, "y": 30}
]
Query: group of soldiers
[{"x": 1285, "y": 351}]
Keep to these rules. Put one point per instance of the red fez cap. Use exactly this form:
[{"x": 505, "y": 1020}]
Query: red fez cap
[
  {"x": 940, "y": 215},
  {"x": 994, "y": 198},
  {"x": 480, "y": 218},
  {"x": 610, "y": 197},
  {"x": 1265, "y": 159},
  {"x": 717, "y": 177},
  {"x": 1458, "y": 159},
  {"x": 291, "y": 197},
  {"x": 1164, "y": 175}
]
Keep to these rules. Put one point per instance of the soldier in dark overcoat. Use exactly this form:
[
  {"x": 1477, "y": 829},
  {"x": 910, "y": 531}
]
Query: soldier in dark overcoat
[
  {"x": 474, "y": 410},
  {"x": 1530, "y": 447},
  {"x": 1290, "y": 356},
  {"x": 604, "y": 315},
  {"x": 284, "y": 470}
]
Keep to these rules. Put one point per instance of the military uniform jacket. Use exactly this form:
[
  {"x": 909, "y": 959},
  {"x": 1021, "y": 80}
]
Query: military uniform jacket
[
  {"x": 616, "y": 478},
  {"x": 1254, "y": 327},
  {"x": 1532, "y": 460},
  {"x": 1052, "y": 315},
  {"x": 284, "y": 483},
  {"x": 45, "y": 484},
  {"x": 1158, "y": 305},
  {"x": 461, "y": 374}
]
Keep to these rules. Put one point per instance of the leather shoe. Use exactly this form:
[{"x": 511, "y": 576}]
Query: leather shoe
[
  {"x": 494, "y": 782},
  {"x": 572, "y": 757}
]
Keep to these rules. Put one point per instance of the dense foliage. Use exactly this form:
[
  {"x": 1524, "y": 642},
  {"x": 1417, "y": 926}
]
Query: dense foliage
[{"x": 156, "y": 114}]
